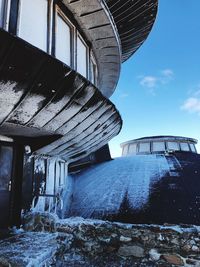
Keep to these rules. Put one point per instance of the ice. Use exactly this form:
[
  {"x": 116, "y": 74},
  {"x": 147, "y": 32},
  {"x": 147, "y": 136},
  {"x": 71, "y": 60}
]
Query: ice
[{"x": 103, "y": 187}]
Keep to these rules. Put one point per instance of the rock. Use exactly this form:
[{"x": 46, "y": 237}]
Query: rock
[
  {"x": 161, "y": 237},
  {"x": 191, "y": 262},
  {"x": 145, "y": 238},
  {"x": 195, "y": 248},
  {"x": 38, "y": 221},
  {"x": 192, "y": 242},
  {"x": 154, "y": 255},
  {"x": 175, "y": 241},
  {"x": 134, "y": 250},
  {"x": 105, "y": 239},
  {"x": 4, "y": 263},
  {"x": 186, "y": 248},
  {"x": 125, "y": 239},
  {"x": 173, "y": 259}
]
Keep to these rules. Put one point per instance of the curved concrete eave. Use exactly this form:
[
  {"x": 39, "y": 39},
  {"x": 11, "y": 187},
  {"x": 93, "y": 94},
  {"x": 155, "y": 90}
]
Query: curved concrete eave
[
  {"x": 44, "y": 100},
  {"x": 134, "y": 21},
  {"x": 97, "y": 23}
]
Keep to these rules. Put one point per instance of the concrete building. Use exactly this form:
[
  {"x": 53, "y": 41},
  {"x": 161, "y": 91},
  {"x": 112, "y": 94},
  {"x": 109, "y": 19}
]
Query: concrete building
[
  {"x": 59, "y": 63},
  {"x": 155, "y": 181}
]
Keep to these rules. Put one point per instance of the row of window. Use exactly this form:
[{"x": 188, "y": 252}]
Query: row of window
[
  {"x": 44, "y": 25},
  {"x": 157, "y": 146}
]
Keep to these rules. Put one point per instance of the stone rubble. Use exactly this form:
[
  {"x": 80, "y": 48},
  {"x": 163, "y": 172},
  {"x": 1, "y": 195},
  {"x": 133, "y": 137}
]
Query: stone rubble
[{"x": 95, "y": 243}]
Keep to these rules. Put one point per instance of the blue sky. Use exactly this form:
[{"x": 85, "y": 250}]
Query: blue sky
[{"x": 159, "y": 88}]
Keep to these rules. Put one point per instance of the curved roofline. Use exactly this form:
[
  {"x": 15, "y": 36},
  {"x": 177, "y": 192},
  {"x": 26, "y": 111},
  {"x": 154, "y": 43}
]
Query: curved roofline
[
  {"x": 134, "y": 20},
  {"x": 97, "y": 24},
  {"x": 161, "y": 137},
  {"x": 69, "y": 117}
]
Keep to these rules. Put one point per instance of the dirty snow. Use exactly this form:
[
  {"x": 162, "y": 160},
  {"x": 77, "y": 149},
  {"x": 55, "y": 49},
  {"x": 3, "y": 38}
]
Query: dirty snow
[{"x": 103, "y": 187}]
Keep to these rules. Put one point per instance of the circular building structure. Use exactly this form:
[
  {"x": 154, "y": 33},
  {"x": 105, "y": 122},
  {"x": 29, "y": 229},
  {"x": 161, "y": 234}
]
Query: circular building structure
[
  {"x": 159, "y": 144},
  {"x": 157, "y": 181}
]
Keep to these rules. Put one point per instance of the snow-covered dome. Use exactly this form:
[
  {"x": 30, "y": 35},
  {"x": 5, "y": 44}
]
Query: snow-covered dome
[
  {"x": 158, "y": 144},
  {"x": 142, "y": 188}
]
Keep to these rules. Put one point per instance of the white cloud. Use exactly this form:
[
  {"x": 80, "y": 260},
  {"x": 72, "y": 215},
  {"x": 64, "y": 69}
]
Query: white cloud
[
  {"x": 152, "y": 81},
  {"x": 167, "y": 73},
  {"x": 166, "y": 76},
  {"x": 149, "y": 81},
  {"x": 192, "y": 105},
  {"x": 123, "y": 95}
]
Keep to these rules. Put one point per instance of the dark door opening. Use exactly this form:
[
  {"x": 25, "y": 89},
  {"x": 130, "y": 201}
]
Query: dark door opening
[
  {"x": 6, "y": 170},
  {"x": 11, "y": 175}
]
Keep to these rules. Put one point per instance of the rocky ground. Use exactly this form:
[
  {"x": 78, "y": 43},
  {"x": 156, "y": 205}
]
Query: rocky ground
[{"x": 47, "y": 241}]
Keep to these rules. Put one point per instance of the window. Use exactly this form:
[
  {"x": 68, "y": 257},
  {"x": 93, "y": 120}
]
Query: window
[
  {"x": 193, "y": 148},
  {"x": 32, "y": 25},
  {"x": 39, "y": 176},
  {"x": 50, "y": 177},
  {"x": 158, "y": 146},
  {"x": 57, "y": 175},
  {"x": 173, "y": 146},
  {"x": 1, "y": 12},
  {"x": 184, "y": 146},
  {"x": 132, "y": 148},
  {"x": 6, "y": 157},
  {"x": 125, "y": 150},
  {"x": 63, "y": 46},
  {"x": 62, "y": 174},
  {"x": 144, "y": 147},
  {"x": 93, "y": 71},
  {"x": 81, "y": 57}
]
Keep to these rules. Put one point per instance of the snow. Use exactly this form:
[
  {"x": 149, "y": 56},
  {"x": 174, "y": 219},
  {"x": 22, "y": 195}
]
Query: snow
[
  {"x": 154, "y": 255},
  {"x": 102, "y": 188},
  {"x": 29, "y": 249},
  {"x": 76, "y": 221}
]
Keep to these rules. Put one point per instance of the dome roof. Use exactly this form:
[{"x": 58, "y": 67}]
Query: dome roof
[{"x": 141, "y": 189}]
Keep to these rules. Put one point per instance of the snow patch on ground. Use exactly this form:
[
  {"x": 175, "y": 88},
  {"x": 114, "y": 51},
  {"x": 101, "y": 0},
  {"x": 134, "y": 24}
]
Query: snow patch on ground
[{"x": 29, "y": 249}]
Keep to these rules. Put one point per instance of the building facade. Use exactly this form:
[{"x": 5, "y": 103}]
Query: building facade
[{"x": 59, "y": 64}]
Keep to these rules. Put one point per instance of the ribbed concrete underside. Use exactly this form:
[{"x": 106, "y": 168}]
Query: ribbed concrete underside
[
  {"x": 134, "y": 20},
  {"x": 95, "y": 21},
  {"x": 40, "y": 97}
]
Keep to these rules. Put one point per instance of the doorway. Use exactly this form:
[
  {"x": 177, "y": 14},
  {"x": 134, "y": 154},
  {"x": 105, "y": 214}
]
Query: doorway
[{"x": 6, "y": 170}]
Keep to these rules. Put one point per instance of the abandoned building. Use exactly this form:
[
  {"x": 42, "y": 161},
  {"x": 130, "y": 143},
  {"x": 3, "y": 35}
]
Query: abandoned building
[
  {"x": 155, "y": 181},
  {"x": 59, "y": 63}
]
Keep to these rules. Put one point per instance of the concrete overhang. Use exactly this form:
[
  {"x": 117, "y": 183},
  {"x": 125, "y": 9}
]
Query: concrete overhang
[
  {"x": 49, "y": 105},
  {"x": 96, "y": 21},
  {"x": 134, "y": 21}
]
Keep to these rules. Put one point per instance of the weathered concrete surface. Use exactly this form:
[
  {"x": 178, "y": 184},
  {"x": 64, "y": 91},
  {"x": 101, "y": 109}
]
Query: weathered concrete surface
[
  {"x": 69, "y": 117},
  {"x": 98, "y": 26},
  {"x": 81, "y": 242}
]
